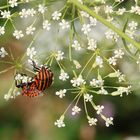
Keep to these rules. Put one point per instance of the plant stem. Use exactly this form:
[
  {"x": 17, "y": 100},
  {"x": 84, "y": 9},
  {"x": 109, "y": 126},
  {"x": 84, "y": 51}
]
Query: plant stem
[{"x": 106, "y": 23}]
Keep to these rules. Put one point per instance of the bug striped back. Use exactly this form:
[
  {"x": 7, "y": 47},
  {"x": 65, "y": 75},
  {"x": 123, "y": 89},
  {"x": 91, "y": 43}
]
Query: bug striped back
[{"x": 43, "y": 78}]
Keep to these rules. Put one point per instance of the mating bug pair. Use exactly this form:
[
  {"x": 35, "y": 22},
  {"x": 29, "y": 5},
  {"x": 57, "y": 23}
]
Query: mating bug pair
[{"x": 42, "y": 80}]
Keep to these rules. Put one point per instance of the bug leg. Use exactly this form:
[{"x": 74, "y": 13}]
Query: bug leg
[{"x": 35, "y": 67}]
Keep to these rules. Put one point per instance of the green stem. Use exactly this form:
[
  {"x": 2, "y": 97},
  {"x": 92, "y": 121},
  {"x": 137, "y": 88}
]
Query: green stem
[{"x": 106, "y": 23}]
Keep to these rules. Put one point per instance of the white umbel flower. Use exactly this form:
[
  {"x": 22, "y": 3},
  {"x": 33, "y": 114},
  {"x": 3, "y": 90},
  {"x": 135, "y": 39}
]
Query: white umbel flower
[
  {"x": 133, "y": 25},
  {"x": 99, "y": 109},
  {"x": 63, "y": 76},
  {"x": 18, "y": 34},
  {"x": 59, "y": 55},
  {"x": 121, "y": 11},
  {"x": 118, "y": 53},
  {"x": 109, "y": 121},
  {"x": 64, "y": 24},
  {"x": 112, "y": 61},
  {"x": 3, "y": 52},
  {"x": 88, "y": 97},
  {"x": 30, "y": 30},
  {"x": 93, "y": 21},
  {"x": 97, "y": 82},
  {"x": 5, "y": 14},
  {"x": 2, "y": 30},
  {"x": 41, "y": 8},
  {"x": 31, "y": 52},
  {"x": 56, "y": 15},
  {"x": 13, "y": 3},
  {"x": 18, "y": 77},
  {"x": 78, "y": 81},
  {"x": 76, "y": 45},
  {"x": 46, "y": 25},
  {"x": 99, "y": 61},
  {"x": 86, "y": 28},
  {"x": 75, "y": 110},
  {"x": 111, "y": 35},
  {"x": 60, "y": 122},
  {"x": 61, "y": 93},
  {"x": 92, "y": 44},
  {"x": 92, "y": 121},
  {"x": 108, "y": 9}
]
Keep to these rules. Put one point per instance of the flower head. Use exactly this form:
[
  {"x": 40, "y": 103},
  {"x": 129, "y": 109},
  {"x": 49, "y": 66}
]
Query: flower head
[
  {"x": 75, "y": 110},
  {"x": 3, "y": 52},
  {"x": 31, "y": 52},
  {"x": 109, "y": 121},
  {"x": 78, "y": 81},
  {"x": 60, "y": 122},
  {"x": 92, "y": 121},
  {"x": 56, "y": 15},
  {"x": 18, "y": 34},
  {"x": 64, "y": 24},
  {"x": 61, "y": 93},
  {"x": 88, "y": 97},
  {"x": 63, "y": 76}
]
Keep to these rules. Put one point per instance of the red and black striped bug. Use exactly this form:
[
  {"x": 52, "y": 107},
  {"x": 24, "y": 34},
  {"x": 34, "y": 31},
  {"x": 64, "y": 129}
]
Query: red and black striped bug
[{"x": 42, "y": 80}]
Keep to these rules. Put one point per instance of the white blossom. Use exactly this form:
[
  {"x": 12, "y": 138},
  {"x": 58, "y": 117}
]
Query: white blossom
[
  {"x": 133, "y": 25},
  {"x": 31, "y": 12},
  {"x": 126, "y": 90},
  {"x": 75, "y": 110},
  {"x": 78, "y": 81},
  {"x": 24, "y": 13},
  {"x": 103, "y": 91},
  {"x": 18, "y": 34},
  {"x": 109, "y": 121},
  {"x": 13, "y": 3},
  {"x": 31, "y": 52},
  {"x": 3, "y": 52},
  {"x": 59, "y": 55},
  {"x": 97, "y": 82},
  {"x": 60, "y": 122},
  {"x": 93, "y": 21},
  {"x": 5, "y": 14},
  {"x": 64, "y": 24},
  {"x": 111, "y": 35},
  {"x": 108, "y": 9},
  {"x": 112, "y": 61},
  {"x": 84, "y": 14},
  {"x": 92, "y": 121},
  {"x": 88, "y": 97},
  {"x": 76, "y": 45},
  {"x": 86, "y": 28},
  {"x": 99, "y": 109},
  {"x": 46, "y": 25},
  {"x": 2, "y": 30},
  {"x": 118, "y": 53},
  {"x": 121, "y": 11},
  {"x": 99, "y": 61},
  {"x": 61, "y": 93},
  {"x": 41, "y": 8},
  {"x": 18, "y": 77},
  {"x": 24, "y": 79},
  {"x": 92, "y": 44},
  {"x": 135, "y": 9},
  {"x": 56, "y": 15},
  {"x": 63, "y": 75},
  {"x": 30, "y": 30}
]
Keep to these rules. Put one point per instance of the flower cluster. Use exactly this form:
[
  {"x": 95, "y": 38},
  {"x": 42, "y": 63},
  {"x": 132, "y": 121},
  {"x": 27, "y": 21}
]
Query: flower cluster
[{"x": 86, "y": 53}]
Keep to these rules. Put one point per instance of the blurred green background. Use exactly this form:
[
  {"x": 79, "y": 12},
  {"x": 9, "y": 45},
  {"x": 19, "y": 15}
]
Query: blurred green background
[{"x": 33, "y": 119}]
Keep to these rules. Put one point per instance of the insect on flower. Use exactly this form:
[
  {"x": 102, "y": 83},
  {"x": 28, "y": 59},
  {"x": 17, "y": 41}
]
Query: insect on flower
[{"x": 37, "y": 84}]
